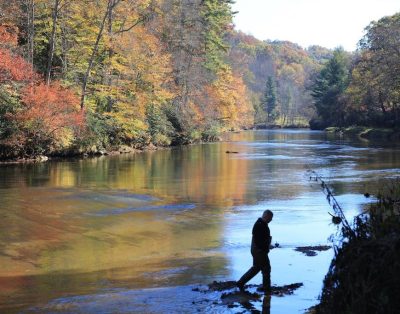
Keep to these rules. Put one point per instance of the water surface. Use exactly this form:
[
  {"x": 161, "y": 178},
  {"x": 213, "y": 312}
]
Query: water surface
[{"x": 135, "y": 233}]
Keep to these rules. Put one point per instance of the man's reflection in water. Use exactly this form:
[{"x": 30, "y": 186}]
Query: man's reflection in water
[
  {"x": 266, "y": 305},
  {"x": 252, "y": 306}
]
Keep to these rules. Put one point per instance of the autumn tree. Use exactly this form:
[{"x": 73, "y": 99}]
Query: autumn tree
[
  {"x": 183, "y": 36},
  {"x": 52, "y": 40},
  {"x": 34, "y": 117},
  {"x": 49, "y": 117},
  {"x": 374, "y": 91},
  {"x": 13, "y": 69}
]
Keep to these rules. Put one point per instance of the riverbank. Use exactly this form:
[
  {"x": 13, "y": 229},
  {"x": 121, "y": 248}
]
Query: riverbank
[
  {"x": 365, "y": 132},
  {"x": 363, "y": 276},
  {"x": 113, "y": 150},
  {"x": 97, "y": 152},
  {"x": 123, "y": 149},
  {"x": 263, "y": 126},
  {"x": 354, "y": 132}
]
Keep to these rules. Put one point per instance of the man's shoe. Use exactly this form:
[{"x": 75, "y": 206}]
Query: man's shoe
[{"x": 240, "y": 286}]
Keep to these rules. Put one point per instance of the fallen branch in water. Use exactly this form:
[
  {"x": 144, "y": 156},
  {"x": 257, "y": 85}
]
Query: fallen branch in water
[
  {"x": 339, "y": 216},
  {"x": 363, "y": 275}
]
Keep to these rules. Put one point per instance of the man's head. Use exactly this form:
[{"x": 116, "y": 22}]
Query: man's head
[{"x": 267, "y": 215}]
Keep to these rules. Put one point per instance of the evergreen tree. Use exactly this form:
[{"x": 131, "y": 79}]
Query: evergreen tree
[
  {"x": 217, "y": 16},
  {"x": 270, "y": 99},
  {"x": 328, "y": 88}
]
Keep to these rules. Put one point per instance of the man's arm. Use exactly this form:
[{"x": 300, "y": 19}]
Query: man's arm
[{"x": 262, "y": 237}]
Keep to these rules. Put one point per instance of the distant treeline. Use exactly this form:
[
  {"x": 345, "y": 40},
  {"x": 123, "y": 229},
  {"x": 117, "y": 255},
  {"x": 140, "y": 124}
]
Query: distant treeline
[{"x": 278, "y": 75}]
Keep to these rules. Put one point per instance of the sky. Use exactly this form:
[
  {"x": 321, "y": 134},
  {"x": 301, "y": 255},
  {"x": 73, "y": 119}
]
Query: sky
[{"x": 327, "y": 23}]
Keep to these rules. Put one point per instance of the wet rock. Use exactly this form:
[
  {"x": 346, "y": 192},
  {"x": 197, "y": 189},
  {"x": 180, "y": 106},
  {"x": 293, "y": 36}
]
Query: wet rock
[
  {"x": 221, "y": 285},
  {"x": 41, "y": 158},
  {"x": 274, "y": 246},
  {"x": 247, "y": 301},
  {"x": 230, "y": 285},
  {"x": 286, "y": 289},
  {"x": 312, "y": 250},
  {"x": 124, "y": 149},
  {"x": 151, "y": 146},
  {"x": 279, "y": 290}
]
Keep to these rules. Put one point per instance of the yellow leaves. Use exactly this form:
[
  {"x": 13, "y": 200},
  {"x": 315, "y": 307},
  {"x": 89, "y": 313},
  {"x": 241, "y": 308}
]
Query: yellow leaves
[
  {"x": 293, "y": 72},
  {"x": 144, "y": 68},
  {"x": 130, "y": 119},
  {"x": 229, "y": 100}
]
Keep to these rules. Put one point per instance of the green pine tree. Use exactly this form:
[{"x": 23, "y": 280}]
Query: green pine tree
[
  {"x": 328, "y": 88},
  {"x": 270, "y": 99}
]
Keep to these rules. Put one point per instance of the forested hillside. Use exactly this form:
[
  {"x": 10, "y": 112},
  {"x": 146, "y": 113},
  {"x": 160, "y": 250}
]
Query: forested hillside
[
  {"x": 88, "y": 76},
  {"x": 85, "y": 75},
  {"x": 278, "y": 75}
]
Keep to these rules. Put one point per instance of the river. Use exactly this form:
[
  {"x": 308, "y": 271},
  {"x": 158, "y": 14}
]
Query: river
[{"x": 136, "y": 233}]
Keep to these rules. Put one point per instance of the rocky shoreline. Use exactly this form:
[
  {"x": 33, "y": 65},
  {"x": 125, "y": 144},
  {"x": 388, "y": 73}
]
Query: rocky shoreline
[{"x": 365, "y": 132}]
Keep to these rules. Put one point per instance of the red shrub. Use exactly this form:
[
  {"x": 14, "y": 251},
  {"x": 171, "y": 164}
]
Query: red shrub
[
  {"x": 15, "y": 68},
  {"x": 51, "y": 107}
]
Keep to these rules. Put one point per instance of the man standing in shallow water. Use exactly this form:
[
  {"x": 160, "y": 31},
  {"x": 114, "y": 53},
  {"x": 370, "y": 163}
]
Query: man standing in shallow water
[{"x": 260, "y": 244}]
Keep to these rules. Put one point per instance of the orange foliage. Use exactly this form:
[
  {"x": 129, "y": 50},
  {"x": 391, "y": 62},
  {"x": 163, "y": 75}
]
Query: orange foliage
[
  {"x": 8, "y": 35},
  {"x": 14, "y": 68},
  {"x": 228, "y": 100},
  {"x": 51, "y": 108},
  {"x": 245, "y": 110}
]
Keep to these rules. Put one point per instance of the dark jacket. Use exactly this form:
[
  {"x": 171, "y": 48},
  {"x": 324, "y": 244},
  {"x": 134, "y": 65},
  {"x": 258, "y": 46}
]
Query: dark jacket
[{"x": 261, "y": 236}]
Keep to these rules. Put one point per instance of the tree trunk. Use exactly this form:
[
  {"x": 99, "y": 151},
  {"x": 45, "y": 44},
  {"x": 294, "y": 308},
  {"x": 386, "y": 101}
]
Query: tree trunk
[
  {"x": 64, "y": 46},
  {"x": 52, "y": 42},
  {"x": 111, "y": 4},
  {"x": 30, "y": 15}
]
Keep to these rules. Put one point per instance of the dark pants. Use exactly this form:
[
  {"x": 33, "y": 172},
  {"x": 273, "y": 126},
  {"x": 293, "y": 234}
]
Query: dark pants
[{"x": 260, "y": 263}]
